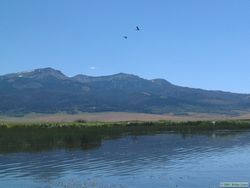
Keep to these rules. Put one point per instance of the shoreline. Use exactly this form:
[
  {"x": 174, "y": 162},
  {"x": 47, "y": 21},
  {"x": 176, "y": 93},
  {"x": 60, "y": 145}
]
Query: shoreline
[
  {"x": 161, "y": 124},
  {"x": 35, "y": 137}
]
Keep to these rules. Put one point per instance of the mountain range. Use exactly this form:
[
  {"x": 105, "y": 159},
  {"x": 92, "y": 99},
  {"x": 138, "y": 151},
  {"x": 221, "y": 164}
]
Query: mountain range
[{"x": 48, "y": 90}]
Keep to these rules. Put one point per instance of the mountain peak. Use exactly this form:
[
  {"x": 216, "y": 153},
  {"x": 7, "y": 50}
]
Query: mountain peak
[
  {"x": 39, "y": 74},
  {"x": 122, "y": 75},
  {"x": 119, "y": 76},
  {"x": 48, "y": 72},
  {"x": 46, "y": 69}
]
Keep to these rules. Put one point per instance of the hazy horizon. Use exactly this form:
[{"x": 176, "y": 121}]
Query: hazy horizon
[{"x": 198, "y": 44}]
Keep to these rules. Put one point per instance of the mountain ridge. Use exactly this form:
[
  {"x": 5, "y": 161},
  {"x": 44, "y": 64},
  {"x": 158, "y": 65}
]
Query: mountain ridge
[{"x": 47, "y": 90}]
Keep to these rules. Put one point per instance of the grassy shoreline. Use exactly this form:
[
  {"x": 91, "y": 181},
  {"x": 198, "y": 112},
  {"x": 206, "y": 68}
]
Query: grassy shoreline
[
  {"x": 168, "y": 125},
  {"x": 33, "y": 137}
]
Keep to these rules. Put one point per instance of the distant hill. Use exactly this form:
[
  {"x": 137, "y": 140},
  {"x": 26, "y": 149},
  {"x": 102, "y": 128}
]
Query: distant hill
[{"x": 50, "y": 91}]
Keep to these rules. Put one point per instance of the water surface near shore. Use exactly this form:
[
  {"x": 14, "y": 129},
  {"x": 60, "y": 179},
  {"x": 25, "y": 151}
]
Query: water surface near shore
[{"x": 157, "y": 160}]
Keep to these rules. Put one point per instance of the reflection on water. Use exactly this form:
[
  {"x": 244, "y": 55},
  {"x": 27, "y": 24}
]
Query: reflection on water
[{"x": 162, "y": 160}]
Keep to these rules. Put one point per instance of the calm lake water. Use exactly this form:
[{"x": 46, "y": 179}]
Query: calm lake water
[{"x": 148, "y": 161}]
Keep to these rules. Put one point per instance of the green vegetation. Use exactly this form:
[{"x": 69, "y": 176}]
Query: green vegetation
[{"x": 18, "y": 137}]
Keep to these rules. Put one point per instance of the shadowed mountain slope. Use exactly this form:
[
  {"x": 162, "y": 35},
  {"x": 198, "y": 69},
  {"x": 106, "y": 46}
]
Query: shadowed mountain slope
[{"x": 50, "y": 91}]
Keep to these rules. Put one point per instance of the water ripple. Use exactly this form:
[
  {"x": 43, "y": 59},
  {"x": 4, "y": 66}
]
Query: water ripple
[{"x": 168, "y": 158}]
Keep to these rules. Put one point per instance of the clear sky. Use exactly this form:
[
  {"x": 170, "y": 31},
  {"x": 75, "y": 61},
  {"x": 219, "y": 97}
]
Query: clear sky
[{"x": 195, "y": 43}]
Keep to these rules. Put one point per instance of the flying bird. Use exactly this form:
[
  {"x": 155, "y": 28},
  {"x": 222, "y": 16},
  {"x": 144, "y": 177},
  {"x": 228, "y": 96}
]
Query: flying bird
[{"x": 137, "y": 29}]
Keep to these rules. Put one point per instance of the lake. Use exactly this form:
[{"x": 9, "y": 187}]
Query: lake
[{"x": 164, "y": 160}]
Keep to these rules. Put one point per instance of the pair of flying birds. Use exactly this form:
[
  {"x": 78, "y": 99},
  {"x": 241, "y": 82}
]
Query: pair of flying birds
[{"x": 137, "y": 29}]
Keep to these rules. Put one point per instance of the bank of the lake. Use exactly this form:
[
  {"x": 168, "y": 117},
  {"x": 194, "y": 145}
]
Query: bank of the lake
[{"x": 23, "y": 137}]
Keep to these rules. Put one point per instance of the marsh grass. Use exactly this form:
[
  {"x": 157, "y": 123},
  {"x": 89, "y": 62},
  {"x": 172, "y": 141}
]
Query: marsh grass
[{"x": 33, "y": 137}]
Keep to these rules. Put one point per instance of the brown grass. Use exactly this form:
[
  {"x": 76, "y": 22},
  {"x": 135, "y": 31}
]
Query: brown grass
[{"x": 120, "y": 116}]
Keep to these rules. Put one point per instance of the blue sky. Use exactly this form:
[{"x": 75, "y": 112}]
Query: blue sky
[{"x": 195, "y": 43}]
